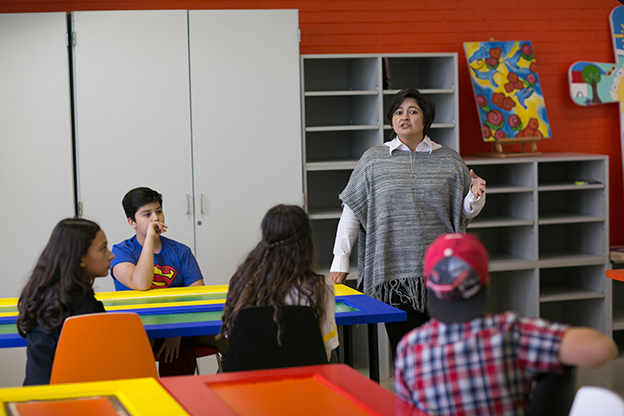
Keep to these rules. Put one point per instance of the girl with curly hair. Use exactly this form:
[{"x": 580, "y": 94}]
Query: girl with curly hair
[
  {"x": 60, "y": 285},
  {"x": 279, "y": 272}
]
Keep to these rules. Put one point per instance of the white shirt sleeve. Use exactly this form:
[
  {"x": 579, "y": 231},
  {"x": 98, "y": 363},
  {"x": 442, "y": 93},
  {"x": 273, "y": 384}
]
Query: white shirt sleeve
[
  {"x": 472, "y": 206},
  {"x": 346, "y": 235}
]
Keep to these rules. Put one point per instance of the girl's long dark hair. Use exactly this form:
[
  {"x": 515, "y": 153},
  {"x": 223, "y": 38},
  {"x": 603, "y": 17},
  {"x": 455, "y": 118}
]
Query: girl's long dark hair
[
  {"x": 281, "y": 265},
  {"x": 57, "y": 280}
]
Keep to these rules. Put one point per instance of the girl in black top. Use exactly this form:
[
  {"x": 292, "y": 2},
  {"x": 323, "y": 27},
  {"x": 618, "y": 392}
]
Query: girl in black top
[{"x": 60, "y": 285}]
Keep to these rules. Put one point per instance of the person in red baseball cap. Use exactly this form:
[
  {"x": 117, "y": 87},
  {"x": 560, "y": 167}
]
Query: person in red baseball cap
[{"x": 466, "y": 361}]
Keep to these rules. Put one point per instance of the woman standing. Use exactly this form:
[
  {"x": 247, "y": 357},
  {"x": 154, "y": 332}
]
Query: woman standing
[{"x": 401, "y": 196}]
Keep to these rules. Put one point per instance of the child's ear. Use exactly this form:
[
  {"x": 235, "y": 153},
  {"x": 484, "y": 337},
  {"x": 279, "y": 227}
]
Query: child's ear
[{"x": 132, "y": 223}]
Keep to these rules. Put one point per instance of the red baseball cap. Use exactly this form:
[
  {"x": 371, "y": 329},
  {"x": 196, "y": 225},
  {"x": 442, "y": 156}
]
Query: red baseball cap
[{"x": 456, "y": 276}]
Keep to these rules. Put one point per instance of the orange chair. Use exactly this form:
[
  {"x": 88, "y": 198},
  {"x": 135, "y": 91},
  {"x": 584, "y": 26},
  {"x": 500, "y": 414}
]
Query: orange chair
[{"x": 102, "y": 346}]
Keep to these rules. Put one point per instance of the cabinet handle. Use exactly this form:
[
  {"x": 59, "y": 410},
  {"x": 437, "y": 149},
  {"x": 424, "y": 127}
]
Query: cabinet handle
[
  {"x": 201, "y": 203},
  {"x": 188, "y": 204}
]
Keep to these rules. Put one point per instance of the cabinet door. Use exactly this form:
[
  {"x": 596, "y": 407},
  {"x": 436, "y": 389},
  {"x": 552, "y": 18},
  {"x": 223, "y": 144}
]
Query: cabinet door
[
  {"x": 133, "y": 117},
  {"x": 35, "y": 139},
  {"x": 246, "y": 128},
  {"x": 35, "y": 151}
]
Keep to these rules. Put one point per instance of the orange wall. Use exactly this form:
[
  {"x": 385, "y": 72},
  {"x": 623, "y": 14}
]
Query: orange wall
[{"x": 562, "y": 32}]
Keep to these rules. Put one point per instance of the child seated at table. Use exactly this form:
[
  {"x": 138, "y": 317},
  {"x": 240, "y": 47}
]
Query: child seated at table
[
  {"x": 61, "y": 285},
  {"x": 279, "y": 272},
  {"x": 464, "y": 361},
  {"x": 151, "y": 261}
]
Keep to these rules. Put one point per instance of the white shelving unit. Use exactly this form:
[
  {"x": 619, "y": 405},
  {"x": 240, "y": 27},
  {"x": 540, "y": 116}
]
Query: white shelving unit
[
  {"x": 548, "y": 236},
  {"x": 344, "y": 101}
]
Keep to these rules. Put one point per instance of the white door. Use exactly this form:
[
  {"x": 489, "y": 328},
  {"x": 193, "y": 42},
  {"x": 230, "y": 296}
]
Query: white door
[
  {"x": 246, "y": 128},
  {"x": 36, "y": 167},
  {"x": 133, "y": 117},
  {"x": 36, "y": 173}
]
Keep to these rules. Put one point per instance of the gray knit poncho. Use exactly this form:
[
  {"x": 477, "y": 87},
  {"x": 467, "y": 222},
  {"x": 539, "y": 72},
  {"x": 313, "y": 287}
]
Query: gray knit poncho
[{"x": 404, "y": 201}]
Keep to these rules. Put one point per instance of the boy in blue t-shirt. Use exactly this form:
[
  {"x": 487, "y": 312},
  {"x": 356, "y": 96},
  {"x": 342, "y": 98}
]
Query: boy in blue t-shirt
[{"x": 151, "y": 261}]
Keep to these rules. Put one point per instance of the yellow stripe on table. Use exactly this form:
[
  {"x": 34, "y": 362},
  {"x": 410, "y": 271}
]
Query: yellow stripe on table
[{"x": 171, "y": 297}]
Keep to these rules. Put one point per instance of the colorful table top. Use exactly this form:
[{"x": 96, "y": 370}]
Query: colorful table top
[
  {"x": 136, "y": 397},
  {"x": 333, "y": 389},
  {"x": 193, "y": 311}
]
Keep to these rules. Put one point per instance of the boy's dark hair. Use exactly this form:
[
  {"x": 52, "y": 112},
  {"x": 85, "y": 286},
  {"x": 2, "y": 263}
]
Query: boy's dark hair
[
  {"x": 57, "y": 280},
  {"x": 426, "y": 105},
  {"x": 138, "y": 197}
]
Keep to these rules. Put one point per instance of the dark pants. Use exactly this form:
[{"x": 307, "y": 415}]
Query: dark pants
[{"x": 396, "y": 330}]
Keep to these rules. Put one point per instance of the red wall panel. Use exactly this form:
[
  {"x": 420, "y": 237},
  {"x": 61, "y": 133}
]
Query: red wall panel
[{"x": 561, "y": 31}]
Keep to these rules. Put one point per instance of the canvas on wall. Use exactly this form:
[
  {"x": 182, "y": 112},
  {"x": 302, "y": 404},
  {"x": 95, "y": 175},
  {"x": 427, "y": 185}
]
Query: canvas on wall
[
  {"x": 594, "y": 83},
  {"x": 507, "y": 90}
]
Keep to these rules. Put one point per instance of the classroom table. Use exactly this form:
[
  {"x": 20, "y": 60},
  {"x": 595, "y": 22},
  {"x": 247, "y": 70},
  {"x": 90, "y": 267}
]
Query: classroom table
[
  {"x": 332, "y": 389},
  {"x": 197, "y": 310},
  {"x": 135, "y": 397}
]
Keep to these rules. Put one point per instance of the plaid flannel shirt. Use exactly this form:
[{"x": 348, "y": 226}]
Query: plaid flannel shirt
[{"x": 480, "y": 367}]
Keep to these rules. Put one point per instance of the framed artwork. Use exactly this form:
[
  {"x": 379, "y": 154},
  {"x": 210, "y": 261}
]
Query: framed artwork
[{"x": 507, "y": 91}]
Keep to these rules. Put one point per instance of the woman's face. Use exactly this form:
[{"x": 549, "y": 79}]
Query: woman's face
[
  {"x": 97, "y": 259},
  {"x": 407, "y": 121}
]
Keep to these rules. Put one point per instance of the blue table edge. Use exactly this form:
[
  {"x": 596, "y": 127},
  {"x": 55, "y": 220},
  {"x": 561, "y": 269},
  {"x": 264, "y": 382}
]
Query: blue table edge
[{"x": 368, "y": 311}]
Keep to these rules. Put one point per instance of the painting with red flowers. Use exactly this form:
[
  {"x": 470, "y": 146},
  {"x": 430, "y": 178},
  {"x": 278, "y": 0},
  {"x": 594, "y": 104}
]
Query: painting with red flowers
[{"x": 507, "y": 90}]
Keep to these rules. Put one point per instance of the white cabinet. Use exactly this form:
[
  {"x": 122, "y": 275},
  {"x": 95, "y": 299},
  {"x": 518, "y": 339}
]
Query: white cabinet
[
  {"x": 545, "y": 224},
  {"x": 35, "y": 140},
  {"x": 344, "y": 101},
  {"x": 35, "y": 151},
  {"x": 246, "y": 128},
  {"x": 132, "y": 99},
  {"x": 202, "y": 106}
]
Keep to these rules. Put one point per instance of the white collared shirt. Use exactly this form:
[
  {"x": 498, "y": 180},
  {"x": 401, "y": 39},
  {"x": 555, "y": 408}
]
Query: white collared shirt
[{"x": 349, "y": 225}]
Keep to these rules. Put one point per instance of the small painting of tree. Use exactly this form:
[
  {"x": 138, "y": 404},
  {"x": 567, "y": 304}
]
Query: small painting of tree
[{"x": 591, "y": 76}]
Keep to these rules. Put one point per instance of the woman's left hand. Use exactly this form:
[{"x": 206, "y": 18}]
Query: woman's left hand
[{"x": 478, "y": 184}]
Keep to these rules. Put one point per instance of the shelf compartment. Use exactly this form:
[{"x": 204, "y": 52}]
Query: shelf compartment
[
  {"x": 339, "y": 93},
  {"x": 572, "y": 283},
  {"x": 423, "y": 72},
  {"x": 505, "y": 177},
  {"x": 572, "y": 244},
  {"x": 336, "y": 165},
  {"x": 584, "y": 312},
  {"x": 506, "y": 210},
  {"x": 340, "y": 74},
  {"x": 563, "y": 174},
  {"x": 567, "y": 218},
  {"x": 324, "y": 214},
  {"x": 515, "y": 290},
  {"x": 618, "y": 319},
  {"x": 510, "y": 248},
  {"x": 324, "y": 188},
  {"x": 587, "y": 205},
  {"x": 324, "y": 237},
  {"x": 498, "y": 221},
  {"x": 564, "y": 293},
  {"x": 339, "y": 146},
  {"x": 338, "y": 112}
]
